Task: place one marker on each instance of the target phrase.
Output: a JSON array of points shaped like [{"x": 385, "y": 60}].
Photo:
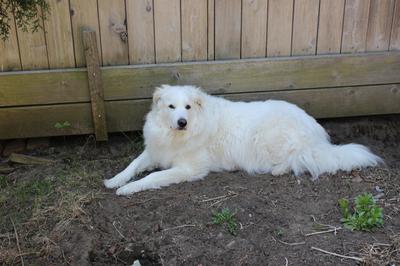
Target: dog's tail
[{"x": 329, "y": 158}]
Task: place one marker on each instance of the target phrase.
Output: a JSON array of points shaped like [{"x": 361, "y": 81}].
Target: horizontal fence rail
[{"x": 33, "y": 103}]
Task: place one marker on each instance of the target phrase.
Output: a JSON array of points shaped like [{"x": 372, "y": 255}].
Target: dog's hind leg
[
  {"x": 140, "y": 164},
  {"x": 161, "y": 179}
]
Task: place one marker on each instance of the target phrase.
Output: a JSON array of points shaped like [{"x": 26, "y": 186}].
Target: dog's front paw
[
  {"x": 112, "y": 183},
  {"x": 129, "y": 189},
  {"x": 117, "y": 181}
]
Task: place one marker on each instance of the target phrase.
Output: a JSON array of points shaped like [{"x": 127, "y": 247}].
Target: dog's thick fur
[{"x": 258, "y": 137}]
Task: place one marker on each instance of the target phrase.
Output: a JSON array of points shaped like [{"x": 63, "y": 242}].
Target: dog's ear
[
  {"x": 157, "y": 95},
  {"x": 158, "y": 92}
]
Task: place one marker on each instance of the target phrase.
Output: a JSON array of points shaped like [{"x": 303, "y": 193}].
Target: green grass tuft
[
  {"x": 226, "y": 217},
  {"x": 366, "y": 216},
  {"x": 3, "y": 182}
]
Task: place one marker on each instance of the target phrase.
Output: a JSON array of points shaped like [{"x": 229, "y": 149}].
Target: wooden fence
[
  {"x": 332, "y": 57},
  {"x": 160, "y": 31}
]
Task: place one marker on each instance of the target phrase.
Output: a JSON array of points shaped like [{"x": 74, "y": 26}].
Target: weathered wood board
[
  {"x": 280, "y": 16},
  {"x": 167, "y": 23},
  {"x": 355, "y": 26},
  {"x": 59, "y": 41},
  {"x": 128, "y": 115},
  {"x": 330, "y": 26},
  {"x": 140, "y": 22},
  {"x": 83, "y": 16},
  {"x": 305, "y": 27},
  {"x": 9, "y": 51},
  {"x": 254, "y": 28},
  {"x": 227, "y": 29},
  {"x": 95, "y": 84},
  {"x": 194, "y": 30},
  {"x": 132, "y": 82}
]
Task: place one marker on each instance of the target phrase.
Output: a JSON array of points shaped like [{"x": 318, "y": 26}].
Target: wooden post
[{"x": 95, "y": 84}]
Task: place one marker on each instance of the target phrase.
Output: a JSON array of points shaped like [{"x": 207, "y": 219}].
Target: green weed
[
  {"x": 280, "y": 232},
  {"x": 20, "y": 199},
  {"x": 366, "y": 214},
  {"x": 32, "y": 189},
  {"x": 226, "y": 217},
  {"x": 62, "y": 125},
  {"x": 3, "y": 181}
]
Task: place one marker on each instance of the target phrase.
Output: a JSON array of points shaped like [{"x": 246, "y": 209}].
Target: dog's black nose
[{"x": 182, "y": 122}]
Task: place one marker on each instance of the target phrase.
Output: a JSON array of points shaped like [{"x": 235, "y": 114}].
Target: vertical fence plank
[
  {"x": 305, "y": 23},
  {"x": 114, "y": 41},
  {"x": 83, "y": 16},
  {"x": 395, "y": 36},
  {"x": 211, "y": 29},
  {"x": 95, "y": 84},
  {"x": 140, "y": 19},
  {"x": 9, "y": 54},
  {"x": 280, "y": 20},
  {"x": 194, "y": 30},
  {"x": 167, "y": 19},
  {"x": 355, "y": 26},
  {"x": 227, "y": 29},
  {"x": 330, "y": 26},
  {"x": 60, "y": 46},
  {"x": 33, "y": 49},
  {"x": 254, "y": 28},
  {"x": 379, "y": 25}
]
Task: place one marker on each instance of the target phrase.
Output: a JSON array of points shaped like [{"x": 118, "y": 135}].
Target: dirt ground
[{"x": 60, "y": 214}]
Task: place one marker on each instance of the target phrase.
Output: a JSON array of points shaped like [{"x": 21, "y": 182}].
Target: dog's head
[{"x": 178, "y": 106}]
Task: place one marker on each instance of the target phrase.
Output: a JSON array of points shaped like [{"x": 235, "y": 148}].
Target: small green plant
[
  {"x": 29, "y": 190},
  {"x": 366, "y": 215},
  {"x": 280, "y": 232},
  {"x": 62, "y": 125},
  {"x": 226, "y": 217},
  {"x": 3, "y": 181}
]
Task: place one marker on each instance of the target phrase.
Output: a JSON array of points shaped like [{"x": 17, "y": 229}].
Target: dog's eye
[
  {"x": 171, "y": 106},
  {"x": 187, "y": 107}
]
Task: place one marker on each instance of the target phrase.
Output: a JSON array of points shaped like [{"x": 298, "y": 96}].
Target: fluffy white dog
[{"x": 189, "y": 133}]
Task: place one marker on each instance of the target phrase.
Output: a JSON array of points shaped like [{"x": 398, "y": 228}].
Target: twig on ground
[
  {"x": 289, "y": 244},
  {"x": 338, "y": 255},
  {"x": 27, "y": 253},
  {"x": 219, "y": 199},
  {"x": 381, "y": 244},
  {"x": 324, "y": 225},
  {"x": 230, "y": 194},
  {"x": 394, "y": 199},
  {"x": 286, "y": 262},
  {"x": 329, "y": 228},
  {"x": 324, "y": 232},
  {"x": 18, "y": 246},
  {"x": 118, "y": 231},
  {"x": 5, "y": 235},
  {"x": 241, "y": 226},
  {"x": 292, "y": 244},
  {"x": 179, "y": 226}
]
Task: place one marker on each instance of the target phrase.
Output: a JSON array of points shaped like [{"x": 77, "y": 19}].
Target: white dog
[{"x": 189, "y": 133}]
